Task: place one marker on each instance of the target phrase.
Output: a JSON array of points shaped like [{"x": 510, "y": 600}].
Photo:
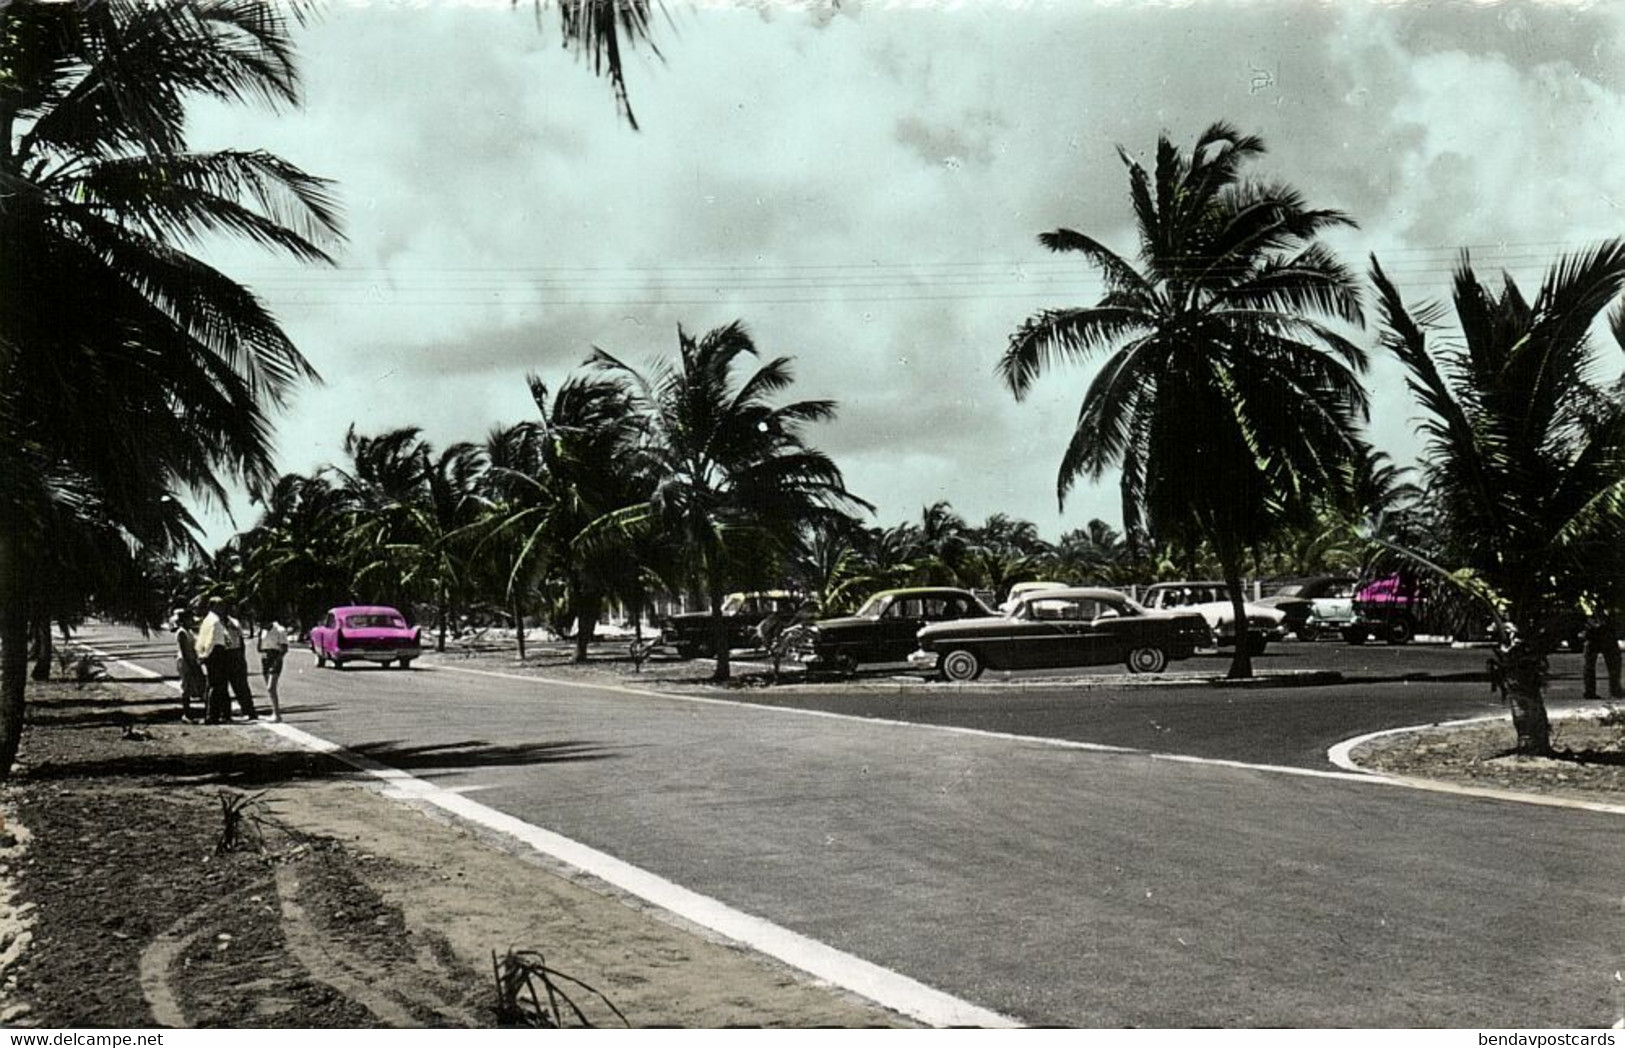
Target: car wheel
[
  {"x": 1147, "y": 660},
  {"x": 1308, "y": 631},
  {"x": 1256, "y": 643},
  {"x": 337, "y": 664},
  {"x": 317, "y": 652},
  {"x": 1354, "y": 635},
  {"x": 960, "y": 665},
  {"x": 1400, "y": 631},
  {"x": 687, "y": 651},
  {"x": 846, "y": 665}
]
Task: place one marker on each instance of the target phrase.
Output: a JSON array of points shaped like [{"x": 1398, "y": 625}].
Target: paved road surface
[{"x": 1056, "y": 884}]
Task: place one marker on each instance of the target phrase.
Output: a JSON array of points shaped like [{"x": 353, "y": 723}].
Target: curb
[{"x": 1342, "y": 755}]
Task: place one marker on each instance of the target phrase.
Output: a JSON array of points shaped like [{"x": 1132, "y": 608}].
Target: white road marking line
[{"x": 882, "y": 985}]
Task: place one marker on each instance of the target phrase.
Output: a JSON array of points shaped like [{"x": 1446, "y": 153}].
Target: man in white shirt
[{"x": 220, "y": 648}]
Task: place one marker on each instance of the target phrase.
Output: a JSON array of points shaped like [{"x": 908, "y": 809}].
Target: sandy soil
[
  {"x": 1588, "y": 765},
  {"x": 334, "y": 906}
]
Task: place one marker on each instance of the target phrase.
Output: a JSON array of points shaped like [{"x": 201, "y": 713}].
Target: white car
[
  {"x": 1021, "y": 589},
  {"x": 1212, "y": 601}
]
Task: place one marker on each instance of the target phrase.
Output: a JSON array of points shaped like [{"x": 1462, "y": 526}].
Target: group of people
[{"x": 213, "y": 664}]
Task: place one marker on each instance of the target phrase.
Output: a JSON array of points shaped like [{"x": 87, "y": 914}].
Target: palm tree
[
  {"x": 734, "y": 475},
  {"x": 600, "y": 30},
  {"x": 1224, "y": 399},
  {"x": 298, "y": 562},
  {"x": 573, "y": 495},
  {"x": 408, "y": 538},
  {"x": 124, "y": 358},
  {"x": 1094, "y": 553},
  {"x": 1526, "y": 461}
]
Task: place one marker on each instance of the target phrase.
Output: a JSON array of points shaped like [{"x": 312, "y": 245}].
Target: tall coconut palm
[
  {"x": 298, "y": 562},
  {"x": 573, "y": 494},
  {"x": 733, "y": 474},
  {"x": 1226, "y": 396},
  {"x": 1526, "y": 462},
  {"x": 123, "y": 357},
  {"x": 413, "y": 507}
]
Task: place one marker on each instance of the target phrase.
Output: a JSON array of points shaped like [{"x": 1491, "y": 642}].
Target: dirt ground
[
  {"x": 125, "y": 901},
  {"x": 1588, "y": 765}
]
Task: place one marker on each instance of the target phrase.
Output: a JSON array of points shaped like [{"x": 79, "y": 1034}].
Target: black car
[
  {"x": 1051, "y": 629},
  {"x": 692, "y": 634},
  {"x": 882, "y": 630}
]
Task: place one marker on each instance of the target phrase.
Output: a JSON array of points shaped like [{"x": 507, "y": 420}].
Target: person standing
[
  {"x": 273, "y": 645},
  {"x": 220, "y": 647},
  {"x": 187, "y": 666},
  {"x": 1601, "y": 638}
]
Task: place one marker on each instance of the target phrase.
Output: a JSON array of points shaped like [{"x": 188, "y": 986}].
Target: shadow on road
[
  {"x": 138, "y": 719},
  {"x": 250, "y": 768}
]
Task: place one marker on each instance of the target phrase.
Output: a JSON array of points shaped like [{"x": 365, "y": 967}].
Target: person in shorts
[{"x": 273, "y": 645}]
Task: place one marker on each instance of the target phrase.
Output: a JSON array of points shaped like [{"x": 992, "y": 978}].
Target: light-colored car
[
  {"x": 1315, "y": 607},
  {"x": 1021, "y": 589},
  {"x": 1212, "y": 601},
  {"x": 365, "y": 633}
]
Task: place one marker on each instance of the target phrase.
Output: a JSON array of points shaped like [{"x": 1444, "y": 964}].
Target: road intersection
[{"x": 975, "y": 844}]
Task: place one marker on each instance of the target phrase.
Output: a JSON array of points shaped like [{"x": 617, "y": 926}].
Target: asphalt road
[
  {"x": 1381, "y": 687},
  {"x": 1055, "y": 884}
]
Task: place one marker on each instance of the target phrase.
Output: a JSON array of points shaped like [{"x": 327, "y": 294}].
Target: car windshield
[
  {"x": 1289, "y": 591},
  {"x": 732, "y": 605},
  {"x": 374, "y": 621},
  {"x": 874, "y": 606}
]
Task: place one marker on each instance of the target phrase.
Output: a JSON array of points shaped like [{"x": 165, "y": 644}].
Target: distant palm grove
[{"x": 1226, "y": 400}]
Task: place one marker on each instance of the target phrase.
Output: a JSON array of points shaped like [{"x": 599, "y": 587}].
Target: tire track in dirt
[{"x": 400, "y": 997}]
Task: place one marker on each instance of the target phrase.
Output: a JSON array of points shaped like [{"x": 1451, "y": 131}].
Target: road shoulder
[{"x": 109, "y": 777}]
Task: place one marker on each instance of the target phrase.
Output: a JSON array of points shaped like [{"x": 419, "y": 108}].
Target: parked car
[
  {"x": 1386, "y": 608},
  {"x": 1211, "y": 600},
  {"x": 1055, "y": 628},
  {"x": 365, "y": 633},
  {"x": 1021, "y": 589},
  {"x": 1314, "y": 607},
  {"x": 690, "y": 633},
  {"x": 883, "y": 630}
]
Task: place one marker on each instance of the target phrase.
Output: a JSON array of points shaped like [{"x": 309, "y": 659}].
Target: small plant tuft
[
  {"x": 529, "y": 994},
  {"x": 240, "y": 822}
]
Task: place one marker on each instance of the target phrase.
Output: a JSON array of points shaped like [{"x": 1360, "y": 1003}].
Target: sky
[{"x": 863, "y": 185}]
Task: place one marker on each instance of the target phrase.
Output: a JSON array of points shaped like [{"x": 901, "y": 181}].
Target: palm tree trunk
[
  {"x": 1518, "y": 671},
  {"x": 13, "y": 652},
  {"x": 519, "y": 625},
  {"x": 443, "y": 612},
  {"x": 719, "y": 625},
  {"x": 44, "y": 647},
  {"x": 588, "y": 606},
  {"x": 1241, "y": 665}
]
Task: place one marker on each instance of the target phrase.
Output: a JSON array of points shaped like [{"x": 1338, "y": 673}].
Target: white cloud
[{"x": 864, "y": 190}]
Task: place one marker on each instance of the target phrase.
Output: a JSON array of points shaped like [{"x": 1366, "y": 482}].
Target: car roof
[
  {"x": 922, "y": 591},
  {"x": 1171, "y": 585},
  {"x": 1076, "y": 593},
  {"x": 365, "y": 609}
]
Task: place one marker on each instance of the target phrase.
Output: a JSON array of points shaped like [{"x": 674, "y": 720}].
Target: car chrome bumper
[{"x": 380, "y": 655}]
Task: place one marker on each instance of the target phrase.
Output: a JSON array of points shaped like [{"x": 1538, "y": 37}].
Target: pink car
[{"x": 365, "y": 633}]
